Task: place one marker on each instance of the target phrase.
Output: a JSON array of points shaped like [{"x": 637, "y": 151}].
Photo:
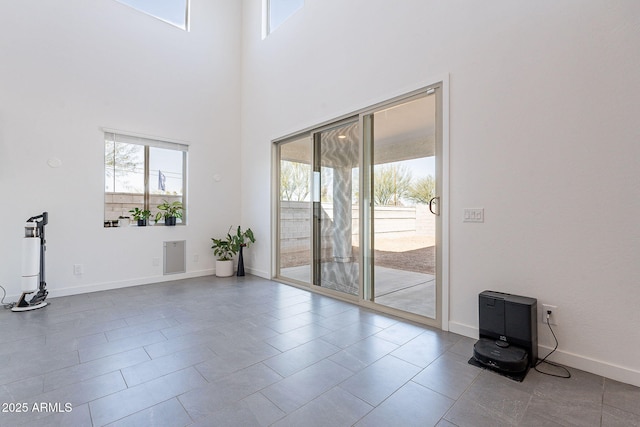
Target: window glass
[
  {"x": 142, "y": 173},
  {"x": 280, "y": 10},
  {"x": 294, "y": 261},
  {"x": 165, "y": 171},
  {"x": 166, "y": 177},
  {"x": 175, "y": 12},
  {"x": 124, "y": 168}
]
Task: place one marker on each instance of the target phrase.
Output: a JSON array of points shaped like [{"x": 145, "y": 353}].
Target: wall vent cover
[{"x": 174, "y": 257}]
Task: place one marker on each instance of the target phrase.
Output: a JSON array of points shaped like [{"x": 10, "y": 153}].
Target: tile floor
[{"x": 252, "y": 352}]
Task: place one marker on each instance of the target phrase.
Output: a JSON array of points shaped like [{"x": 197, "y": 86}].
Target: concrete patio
[{"x": 404, "y": 290}]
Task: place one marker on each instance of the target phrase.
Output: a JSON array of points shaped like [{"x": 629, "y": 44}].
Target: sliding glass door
[{"x": 358, "y": 212}]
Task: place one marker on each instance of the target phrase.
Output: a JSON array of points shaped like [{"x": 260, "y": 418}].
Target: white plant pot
[{"x": 224, "y": 268}]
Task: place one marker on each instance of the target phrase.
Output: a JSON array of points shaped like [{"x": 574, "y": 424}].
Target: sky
[
  {"x": 280, "y": 10},
  {"x": 172, "y": 11},
  {"x": 170, "y": 163},
  {"x": 421, "y": 168}
]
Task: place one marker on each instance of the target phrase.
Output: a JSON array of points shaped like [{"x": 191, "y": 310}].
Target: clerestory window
[
  {"x": 278, "y": 11},
  {"x": 174, "y": 12}
]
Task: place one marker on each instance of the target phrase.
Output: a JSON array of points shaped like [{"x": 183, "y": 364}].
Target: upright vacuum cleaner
[{"x": 33, "y": 248}]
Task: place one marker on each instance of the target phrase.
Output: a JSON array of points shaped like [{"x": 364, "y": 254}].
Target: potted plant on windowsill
[
  {"x": 170, "y": 212},
  {"x": 141, "y": 216}
]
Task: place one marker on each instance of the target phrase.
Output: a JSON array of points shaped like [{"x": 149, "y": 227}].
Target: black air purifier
[{"x": 508, "y": 334}]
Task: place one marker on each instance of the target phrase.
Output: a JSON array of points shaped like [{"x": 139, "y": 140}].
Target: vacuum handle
[{"x": 44, "y": 217}]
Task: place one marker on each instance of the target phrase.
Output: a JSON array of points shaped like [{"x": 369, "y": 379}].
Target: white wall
[
  {"x": 68, "y": 69},
  {"x": 544, "y": 134}
]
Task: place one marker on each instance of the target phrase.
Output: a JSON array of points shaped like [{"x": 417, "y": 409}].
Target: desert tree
[
  {"x": 391, "y": 183},
  {"x": 422, "y": 190},
  {"x": 294, "y": 181}
]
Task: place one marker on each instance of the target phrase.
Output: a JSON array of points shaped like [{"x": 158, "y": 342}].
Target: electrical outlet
[
  {"x": 155, "y": 262},
  {"x": 553, "y": 318},
  {"x": 77, "y": 269},
  {"x": 196, "y": 258}
]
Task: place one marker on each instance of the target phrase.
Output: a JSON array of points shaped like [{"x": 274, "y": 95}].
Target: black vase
[
  {"x": 142, "y": 223},
  {"x": 170, "y": 220},
  {"x": 240, "y": 264}
]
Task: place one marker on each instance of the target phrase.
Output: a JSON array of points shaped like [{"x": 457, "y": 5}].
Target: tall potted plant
[
  {"x": 242, "y": 239},
  {"x": 170, "y": 212}
]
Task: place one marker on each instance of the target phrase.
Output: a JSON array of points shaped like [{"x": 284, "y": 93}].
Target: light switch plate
[{"x": 474, "y": 215}]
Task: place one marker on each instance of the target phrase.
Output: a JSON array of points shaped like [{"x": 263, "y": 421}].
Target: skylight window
[
  {"x": 279, "y": 11},
  {"x": 174, "y": 12}
]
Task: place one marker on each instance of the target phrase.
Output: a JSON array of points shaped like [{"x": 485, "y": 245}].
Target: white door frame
[{"x": 443, "y": 120}]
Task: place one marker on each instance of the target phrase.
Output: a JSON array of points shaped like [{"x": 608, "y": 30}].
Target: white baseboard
[
  {"x": 598, "y": 367},
  {"x": 252, "y": 271},
  {"x": 96, "y": 287},
  {"x": 260, "y": 273},
  {"x": 462, "y": 329}
]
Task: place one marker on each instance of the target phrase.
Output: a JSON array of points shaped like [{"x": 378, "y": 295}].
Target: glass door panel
[
  {"x": 403, "y": 186},
  {"x": 294, "y": 216},
  {"x": 335, "y": 208}
]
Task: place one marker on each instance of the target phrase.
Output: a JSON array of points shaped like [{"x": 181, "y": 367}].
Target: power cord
[
  {"x": 6, "y": 305},
  {"x": 544, "y": 359}
]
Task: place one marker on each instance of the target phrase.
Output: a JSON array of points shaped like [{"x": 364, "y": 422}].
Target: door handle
[{"x": 434, "y": 201}]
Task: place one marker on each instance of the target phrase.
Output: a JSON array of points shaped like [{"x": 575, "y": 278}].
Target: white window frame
[{"x": 152, "y": 142}]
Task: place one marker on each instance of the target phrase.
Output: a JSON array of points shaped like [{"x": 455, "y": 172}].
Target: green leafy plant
[
  {"x": 225, "y": 248},
  {"x": 169, "y": 210},
  {"x": 242, "y": 238},
  {"x": 139, "y": 214}
]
